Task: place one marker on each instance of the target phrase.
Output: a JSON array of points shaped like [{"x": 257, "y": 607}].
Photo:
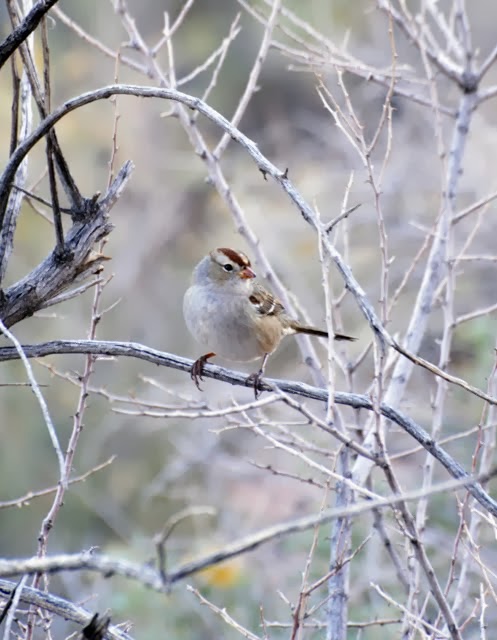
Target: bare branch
[
  {"x": 28, "y": 497},
  {"x": 487, "y": 63},
  {"x": 59, "y": 606},
  {"x": 224, "y": 615},
  {"x": 9, "y": 610},
  {"x": 135, "y": 350},
  {"x": 281, "y": 178},
  {"x": 39, "y": 94},
  {"x": 22, "y": 31},
  {"x": 9, "y": 215},
  {"x": 53, "y": 275},
  {"x": 41, "y": 400},
  {"x": 251, "y": 86},
  {"x": 152, "y": 578}
]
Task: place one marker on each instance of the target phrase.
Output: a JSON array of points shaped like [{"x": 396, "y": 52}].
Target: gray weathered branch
[
  {"x": 27, "y": 26},
  {"x": 61, "y": 607},
  {"x": 354, "y": 400},
  {"x": 57, "y": 271}
]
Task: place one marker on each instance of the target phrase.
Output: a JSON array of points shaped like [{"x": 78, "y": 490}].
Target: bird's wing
[{"x": 264, "y": 303}]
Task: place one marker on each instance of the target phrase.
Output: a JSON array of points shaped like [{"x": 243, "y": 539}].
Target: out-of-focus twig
[
  {"x": 26, "y": 498},
  {"x": 151, "y": 578},
  {"x": 251, "y": 86},
  {"x": 9, "y": 610}
]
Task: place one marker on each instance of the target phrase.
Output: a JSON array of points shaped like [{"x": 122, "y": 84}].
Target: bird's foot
[
  {"x": 254, "y": 380},
  {"x": 197, "y": 369}
]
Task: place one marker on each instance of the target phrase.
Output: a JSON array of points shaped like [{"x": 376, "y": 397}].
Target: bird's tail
[
  {"x": 341, "y": 336},
  {"x": 312, "y": 331}
]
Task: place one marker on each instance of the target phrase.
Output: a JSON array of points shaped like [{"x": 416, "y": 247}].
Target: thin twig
[
  {"x": 41, "y": 400},
  {"x": 27, "y": 497},
  {"x": 12, "y": 606},
  {"x": 251, "y": 86}
]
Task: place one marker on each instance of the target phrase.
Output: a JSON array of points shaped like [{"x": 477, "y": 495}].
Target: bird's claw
[
  {"x": 196, "y": 372},
  {"x": 254, "y": 380},
  {"x": 197, "y": 369}
]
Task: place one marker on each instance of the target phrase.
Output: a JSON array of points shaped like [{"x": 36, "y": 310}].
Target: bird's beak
[{"x": 246, "y": 273}]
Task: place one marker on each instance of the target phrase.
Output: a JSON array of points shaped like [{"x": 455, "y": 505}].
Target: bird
[{"x": 233, "y": 316}]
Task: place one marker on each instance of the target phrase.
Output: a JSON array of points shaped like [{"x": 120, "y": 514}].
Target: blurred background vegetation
[{"x": 168, "y": 218}]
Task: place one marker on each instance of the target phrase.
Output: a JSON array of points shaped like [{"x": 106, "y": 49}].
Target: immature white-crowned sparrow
[{"x": 235, "y": 317}]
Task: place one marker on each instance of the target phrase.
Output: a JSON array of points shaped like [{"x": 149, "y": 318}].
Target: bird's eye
[{"x": 228, "y": 267}]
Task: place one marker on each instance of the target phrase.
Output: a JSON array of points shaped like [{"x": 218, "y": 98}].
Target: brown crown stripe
[{"x": 237, "y": 257}]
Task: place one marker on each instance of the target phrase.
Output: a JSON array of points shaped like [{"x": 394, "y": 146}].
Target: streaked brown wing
[{"x": 264, "y": 302}]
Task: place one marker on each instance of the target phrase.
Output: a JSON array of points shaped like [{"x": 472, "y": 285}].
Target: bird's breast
[{"x": 226, "y": 325}]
